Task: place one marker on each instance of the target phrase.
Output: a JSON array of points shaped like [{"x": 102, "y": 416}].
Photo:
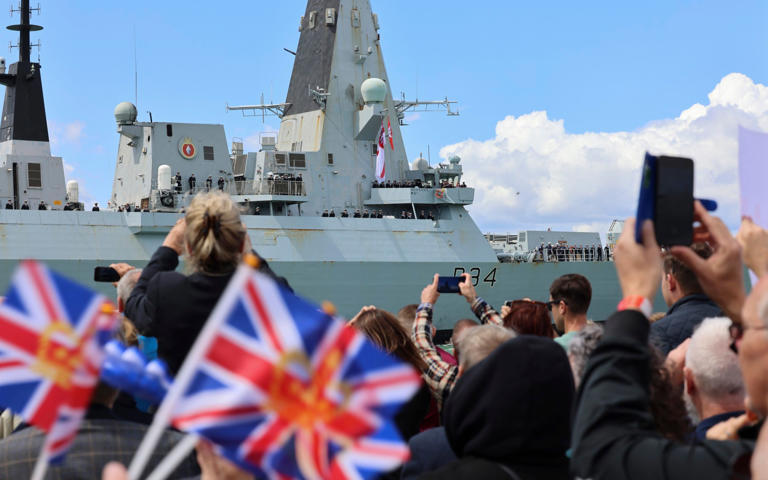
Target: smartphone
[
  {"x": 449, "y": 284},
  {"x": 666, "y": 197},
  {"x": 105, "y": 274}
]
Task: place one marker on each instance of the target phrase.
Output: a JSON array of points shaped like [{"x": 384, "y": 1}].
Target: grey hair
[
  {"x": 713, "y": 365},
  {"x": 580, "y": 348},
  {"x": 126, "y": 284},
  {"x": 476, "y": 343}
]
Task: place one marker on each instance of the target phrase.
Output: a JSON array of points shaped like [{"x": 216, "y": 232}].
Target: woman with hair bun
[{"x": 172, "y": 306}]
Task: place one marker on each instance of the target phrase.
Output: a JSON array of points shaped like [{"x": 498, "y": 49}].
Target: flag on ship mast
[
  {"x": 380, "y": 158},
  {"x": 389, "y": 134}
]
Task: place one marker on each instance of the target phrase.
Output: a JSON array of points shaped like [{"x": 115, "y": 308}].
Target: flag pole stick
[
  {"x": 174, "y": 457},
  {"x": 41, "y": 465},
  {"x": 187, "y": 372}
]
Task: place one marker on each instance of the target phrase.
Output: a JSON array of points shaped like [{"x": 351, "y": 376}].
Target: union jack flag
[
  {"x": 51, "y": 335},
  {"x": 289, "y": 391}
]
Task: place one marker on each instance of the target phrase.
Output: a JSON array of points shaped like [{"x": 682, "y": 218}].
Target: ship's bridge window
[
  {"x": 330, "y": 159},
  {"x": 297, "y": 160},
  {"x": 34, "y": 175},
  {"x": 207, "y": 152},
  {"x": 280, "y": 158}
]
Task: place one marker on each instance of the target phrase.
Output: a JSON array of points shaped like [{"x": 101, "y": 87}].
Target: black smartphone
[
  {"x": 105, "y": 274},
  {"x": 449, "y": 284},
  {"x": 673, "y": 219}
]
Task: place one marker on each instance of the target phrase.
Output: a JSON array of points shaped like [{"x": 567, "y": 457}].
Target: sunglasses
[
  {"x": 552, "y": 303},
  {"x": 737, "y": 331}
]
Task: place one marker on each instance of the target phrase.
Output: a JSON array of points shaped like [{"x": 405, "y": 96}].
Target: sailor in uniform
[
  {"x": 9, "y": 205},
  {"x": 208, "y": 183},
  {"x": 42, "y": 205},
  {"x": 220, "y": 181},
  {"x": 178, "y": 182},
  {"x": 192, "y": 182}
]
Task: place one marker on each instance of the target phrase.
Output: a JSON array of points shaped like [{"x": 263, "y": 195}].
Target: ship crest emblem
[{"x": 187, "y": 148}]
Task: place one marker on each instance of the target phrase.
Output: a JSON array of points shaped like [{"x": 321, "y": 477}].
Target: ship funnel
[
  {"x": 164, "y": 177},
  {"x": 73, "y": 192}
]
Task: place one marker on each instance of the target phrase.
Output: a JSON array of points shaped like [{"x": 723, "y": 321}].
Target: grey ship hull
[{"x": 351, "y": 262}]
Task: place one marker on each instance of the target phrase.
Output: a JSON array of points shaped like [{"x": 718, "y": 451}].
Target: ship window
[
  {"x": 297, "y": 160},
  {"x": 169, "y": 130},
  {"x": 147, "y": 138},
  {"x": 207, "y": 152},
  {"x": 330, "y": 159},
  {"x": 34, "y": 176},
  {"x": 374, "y": 149},
  {"x": 280, "y": 158}
]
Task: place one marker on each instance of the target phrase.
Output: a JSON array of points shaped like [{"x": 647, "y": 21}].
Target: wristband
[
  {"x": 424, "y": 305},
  {"x": 637, "y": 302}
]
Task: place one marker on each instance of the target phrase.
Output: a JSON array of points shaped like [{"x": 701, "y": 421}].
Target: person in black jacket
[
  {"x": 173, "y": 307},
  {"x": 509, "y": 416},
  {"x": 613, "y": 432},
  {"x": 687, "y": 303}
]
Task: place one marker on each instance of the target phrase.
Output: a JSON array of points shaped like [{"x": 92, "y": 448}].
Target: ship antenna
[
  {"x": 24, "y": 28},
  {"x": 135, "y": 71}
]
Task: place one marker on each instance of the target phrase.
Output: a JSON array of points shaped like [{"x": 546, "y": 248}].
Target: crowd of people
[
  {"x": 564, "y": 252},
  {"x": 533, "y": 390},
  {"x": 373, "y": 213},
  {"x": 418, "y": 183},
  {"x": 11, "y": 205}
]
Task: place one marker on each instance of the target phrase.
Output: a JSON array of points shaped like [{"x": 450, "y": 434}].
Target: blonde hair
[{"x": 214, "y": 233}]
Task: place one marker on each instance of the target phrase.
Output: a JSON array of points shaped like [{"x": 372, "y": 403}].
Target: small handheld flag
[
  {"x": 286, "y": 390},
  {"x": 52, "y": 333}
]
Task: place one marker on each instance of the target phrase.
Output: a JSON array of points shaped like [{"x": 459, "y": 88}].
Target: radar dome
[
  {"x": 420, "y": 163},
  {"x": 125, "y": 113},
  {"x": 374, "y": 90}
]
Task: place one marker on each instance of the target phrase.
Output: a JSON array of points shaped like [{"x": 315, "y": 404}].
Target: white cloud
[
  {"x": 585, "y": 180},
  {"x": 71, "y": 133}
]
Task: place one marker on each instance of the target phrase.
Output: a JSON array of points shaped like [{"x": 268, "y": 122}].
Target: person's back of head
[
  {"x": 684, "y": 278},
  {"x": 476, "y": 343},
  {"x": 214, "y": 234},
  {"x": 573, "y": 289},
  {"x": 125, "y": 287},
  {"x": 529, "y": 318},
  {"x": 406, "y": 316},
  {"x": 514, "y": 406},
  {"x": 580, "y": 348},
  {"x": 385, "y": 330},
  {"x": 712, "y": 369}
]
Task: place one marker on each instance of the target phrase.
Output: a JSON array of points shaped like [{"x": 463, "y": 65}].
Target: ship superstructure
[{"x": 311, "y": 201}]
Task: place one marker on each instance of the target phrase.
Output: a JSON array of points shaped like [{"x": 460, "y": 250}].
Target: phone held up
[
  {"x": 449, "y": 284},
  {"x": 666, "y": 198},
  {"x": 105, "y": 274}
]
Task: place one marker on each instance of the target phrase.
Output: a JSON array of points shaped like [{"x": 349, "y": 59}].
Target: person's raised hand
[
  {"x": 505, "y": 309},
  {"x": 430, "y": 293},
  {"x": 754, "y": 246},
  {"x": 214, "y": 467},
  {"x": 466, "y": 289},
  {"x": 175, "y": 238},
  {"x": 721, "y": 276},
  {"x": 114, "y": 471},
  {"x": 675, "y": 362},
  {"x": 728, "y": 429},
  {"x": 121, "y": 268},
  {"x": 638, "y": 266}
]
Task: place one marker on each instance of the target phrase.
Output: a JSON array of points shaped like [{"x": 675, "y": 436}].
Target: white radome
[
  {"x": 374, "y": 90},
  {"x": 125, "y": 113},
  {"x": 420, "y": 163}
]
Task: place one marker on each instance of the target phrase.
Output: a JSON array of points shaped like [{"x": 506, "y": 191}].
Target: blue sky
[{"x": 597, "y": 66}]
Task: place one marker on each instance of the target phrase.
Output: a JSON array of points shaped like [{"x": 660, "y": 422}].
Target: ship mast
[{"x": 24, "y": 108}]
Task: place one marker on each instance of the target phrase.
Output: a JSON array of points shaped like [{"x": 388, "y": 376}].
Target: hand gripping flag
[
  {"x": 52, "y": 331},
  {"x": 289, "y": 391},
  {"x": 380, "y": 157}
]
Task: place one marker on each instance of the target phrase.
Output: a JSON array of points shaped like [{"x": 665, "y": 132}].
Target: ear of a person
[{"x": 690, "y": 383}]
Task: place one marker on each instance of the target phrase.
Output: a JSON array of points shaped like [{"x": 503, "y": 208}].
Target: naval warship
[{"x": 313, "y": 198}]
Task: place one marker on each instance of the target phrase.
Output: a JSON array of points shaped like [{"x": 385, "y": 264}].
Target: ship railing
[
  {"x": 575, "y": 255},
  {"x": 268, "y": 186}
]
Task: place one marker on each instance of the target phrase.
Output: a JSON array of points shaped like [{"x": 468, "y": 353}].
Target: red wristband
[{"x": 636, "y": 302}]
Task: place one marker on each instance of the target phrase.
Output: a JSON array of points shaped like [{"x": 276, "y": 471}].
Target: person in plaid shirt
[{"x": 440, "y": 375}]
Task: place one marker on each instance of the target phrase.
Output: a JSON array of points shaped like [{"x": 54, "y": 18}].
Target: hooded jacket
[{"x": 509, "y": 416}]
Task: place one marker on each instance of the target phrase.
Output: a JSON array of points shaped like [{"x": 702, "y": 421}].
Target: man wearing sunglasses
[
  {"x": 613, "y": 433},
  {"x": 569, "y": 298}
]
